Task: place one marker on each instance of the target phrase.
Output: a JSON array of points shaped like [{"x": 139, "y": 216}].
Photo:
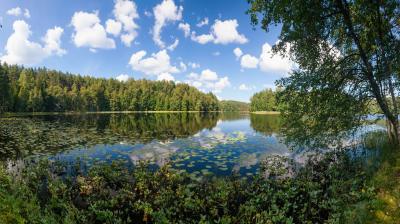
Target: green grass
[{"x": 384, "y": 184}]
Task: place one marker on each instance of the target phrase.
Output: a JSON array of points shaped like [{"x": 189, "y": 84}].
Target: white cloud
[
  {"x": 244, "y": 87},
  {"x": 194, "y": 65},
  {"x": 14, "y": 11},
  {"x": 174, "y": 45},
  {"x": 17, "y": 11},
  {"x": 183, "y": 66},
  {"x": 238, "y": 52},
  {"x": 207, "y": 81},
  {"x": 221, "y": 84},
  {"x": 20, "y": 50},
  {"x": 52, "y": 41},
  {"x": 156, "y": 64},
  {"x": 225, "y": 32},
  {"x": 125, "y": 12},
  {"x": 193, "y": 75},
  {"x": 147, "y": 13},
  {"x": 123, "y": 77},
  {"x": 113, "y": 27},
  {"x": 27, "y": 14},
  {"x": 128, "y": 38},
  {"x": 185, "y": 27},
  {"x": 249, "y": 61},
  {"x": 203, "y": 22},
  {"x": 89, "y": 32},
  {"x": 197, "y": 84},
  {"x": 164, "y": 12},
  {"x": 222, "y": 32},
  {"x": 202, "y": 39},
  {"x": 270, "y": 62},
  {"x": 208, "y": 75},
  {"x": 165, "y": 76},
  {"x": 216, "y": 53}
]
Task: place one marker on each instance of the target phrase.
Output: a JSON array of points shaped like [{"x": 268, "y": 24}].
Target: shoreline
[
  {"x": 266, "y": 112},
  {"x": 110, "y": 112},
  {"x": 131, "y": 112},
  {"x": 98, "y": 112}
]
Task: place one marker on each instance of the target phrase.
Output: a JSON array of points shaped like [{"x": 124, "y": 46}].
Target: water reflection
[
  {"x": 201, "y": 144},
  {"x": 266, "y": 124},
  {"x": 51, "y": 134},
  {"x": 157, "y": 152}
]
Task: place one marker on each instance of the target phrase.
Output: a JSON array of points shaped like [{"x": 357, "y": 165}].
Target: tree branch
[{"x": 344, "y": 8}]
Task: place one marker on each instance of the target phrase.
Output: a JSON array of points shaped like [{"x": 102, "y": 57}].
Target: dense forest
[
  {"x": 232, "y": 105},
  {"x": 33, "y": 90},
  {"x": 264, "y": 101}
]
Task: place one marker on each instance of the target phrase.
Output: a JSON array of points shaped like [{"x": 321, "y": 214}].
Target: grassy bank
[{"x": 384, "y": 206}]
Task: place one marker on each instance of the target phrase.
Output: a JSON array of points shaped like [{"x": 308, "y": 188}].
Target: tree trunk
[{"x": 393, "y": 131}]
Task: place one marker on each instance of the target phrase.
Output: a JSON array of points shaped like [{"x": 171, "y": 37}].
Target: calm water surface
[{"x": 201, "y": 144}]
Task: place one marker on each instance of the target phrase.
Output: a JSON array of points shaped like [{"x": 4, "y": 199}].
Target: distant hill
[{"x": 232, "y": 105}]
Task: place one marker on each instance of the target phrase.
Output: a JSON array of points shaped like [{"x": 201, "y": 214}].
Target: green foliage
[
  {"x": 264, "y": 101},
  {"x": 317, "y": 117},
  {"x": 231, "y": 105},
  {"x": 346, "y": 55},
  {"x": 42, "y": 90},
  {"x": 5, "y": 92},
  {"x": 318, "y": 193}
]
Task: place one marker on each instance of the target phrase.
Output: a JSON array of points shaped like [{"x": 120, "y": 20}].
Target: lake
[{"x": 202, "y": 144}]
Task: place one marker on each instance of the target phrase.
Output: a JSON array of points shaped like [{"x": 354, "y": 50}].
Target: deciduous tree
[{"x": 346, "y": 54}]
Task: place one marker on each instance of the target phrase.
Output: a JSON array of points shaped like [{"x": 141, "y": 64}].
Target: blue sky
[{"x": 182, "y": 40}]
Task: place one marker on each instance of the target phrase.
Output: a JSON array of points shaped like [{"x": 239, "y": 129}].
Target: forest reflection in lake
[{"x": 202, "y": 144}]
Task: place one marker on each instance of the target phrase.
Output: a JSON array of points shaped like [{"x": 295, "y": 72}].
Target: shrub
[{"x": 318, "y": 192}]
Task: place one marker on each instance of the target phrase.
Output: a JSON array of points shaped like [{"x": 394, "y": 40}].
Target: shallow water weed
[
  {"x": 70, "y": 137},
  {"x": 180, "y": 170}
]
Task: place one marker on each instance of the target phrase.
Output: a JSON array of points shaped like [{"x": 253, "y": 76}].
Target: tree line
[
  {"x": 264, "y": 101},
  {"x": 42, "y": 90}
]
